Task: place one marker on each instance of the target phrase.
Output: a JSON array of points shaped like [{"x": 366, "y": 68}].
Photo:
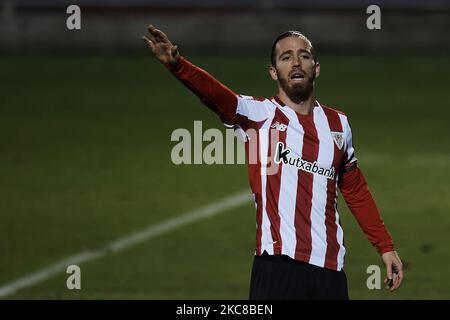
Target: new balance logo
[
  {"x": 279, "y": 126},
  {"x": 282, "y": 154}
]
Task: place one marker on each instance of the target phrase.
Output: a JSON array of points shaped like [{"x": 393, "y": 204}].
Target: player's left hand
[{"x": 394, "y": 268}]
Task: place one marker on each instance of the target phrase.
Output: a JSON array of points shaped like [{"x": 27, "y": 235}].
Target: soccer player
[{"x": 299, "y": 239}]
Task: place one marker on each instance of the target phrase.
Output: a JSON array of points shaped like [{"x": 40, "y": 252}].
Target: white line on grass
[
  {"x": 189, "y": 217},
  {"x": 125, "y": 242}
]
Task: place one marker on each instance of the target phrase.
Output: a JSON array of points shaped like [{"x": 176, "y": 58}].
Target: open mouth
[{"x": 297, "y": 76}]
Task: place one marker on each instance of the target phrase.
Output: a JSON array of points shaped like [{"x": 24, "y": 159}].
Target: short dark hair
[{"x": 290, "y": 33}]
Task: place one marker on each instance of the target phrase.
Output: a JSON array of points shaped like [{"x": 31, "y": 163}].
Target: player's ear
[
  {"x": 317, "y": 67},
  {"x": 273, "y": 73}
]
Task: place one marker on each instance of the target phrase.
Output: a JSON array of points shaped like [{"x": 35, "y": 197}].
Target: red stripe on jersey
[
  {"x": 303, "y": 205},
  {"x": 330, "y": 210},
  {"x": 252, "y": 149},
  {"x": 274, "y": 180}
]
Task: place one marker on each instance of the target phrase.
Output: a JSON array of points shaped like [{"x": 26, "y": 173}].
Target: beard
[{"x": 298, "y": 92}]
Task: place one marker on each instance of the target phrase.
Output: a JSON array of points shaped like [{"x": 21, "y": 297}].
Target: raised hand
[{"x": 161, "y": 46}]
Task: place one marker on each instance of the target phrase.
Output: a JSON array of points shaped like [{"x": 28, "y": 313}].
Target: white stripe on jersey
[
  {"x": 288, "y": 186},
  {"x": 319, "y": 198},
  {"x": 266, "y": 235},
  {"x": 264, "y": 111},
  {"x": 340, "y": 240}
]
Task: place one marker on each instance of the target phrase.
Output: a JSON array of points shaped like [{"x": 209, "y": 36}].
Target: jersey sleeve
[
  {"x": 253, "y": 109},
  {"x": 233, "y": 109},
  {"x": 356, "y": 193}
]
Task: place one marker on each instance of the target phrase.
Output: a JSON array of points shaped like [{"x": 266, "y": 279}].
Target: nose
[{"x": 296, "y": 61}]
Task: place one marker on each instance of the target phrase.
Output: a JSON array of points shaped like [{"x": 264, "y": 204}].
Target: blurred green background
[{"x": 85, "y": 159}]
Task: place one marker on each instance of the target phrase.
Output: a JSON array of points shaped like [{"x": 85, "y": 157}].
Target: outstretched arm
[{"x": 211, "y": 92}]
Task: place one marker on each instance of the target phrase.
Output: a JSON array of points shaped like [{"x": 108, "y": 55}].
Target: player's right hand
[{"x": 161, "y": 46}]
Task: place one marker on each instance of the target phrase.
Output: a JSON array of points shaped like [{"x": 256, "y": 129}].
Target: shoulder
[
  {"x": 255, "y": 102},
  {"x": 255, "y": 109},
  {"x": 251, "y": 98},
  {"x": 336, "y": 114},
  {"x": 333, "y": 110}
]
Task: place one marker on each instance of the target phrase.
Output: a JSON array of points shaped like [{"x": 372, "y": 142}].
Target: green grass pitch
[{"x": 85, "y": 159}]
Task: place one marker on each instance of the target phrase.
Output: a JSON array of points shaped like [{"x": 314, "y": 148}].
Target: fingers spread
[
  {"x": 149, "y": 42},
  {"x": 151, "y": 35},
  {"x": 161, "y": 35},
  {"x": 158, "y": 34}
]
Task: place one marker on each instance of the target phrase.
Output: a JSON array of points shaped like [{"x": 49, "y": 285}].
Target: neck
[{"x": 303, "y": 107}]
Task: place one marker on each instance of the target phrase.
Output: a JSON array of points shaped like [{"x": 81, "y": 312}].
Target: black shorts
[{"x": 281, "y": 277}]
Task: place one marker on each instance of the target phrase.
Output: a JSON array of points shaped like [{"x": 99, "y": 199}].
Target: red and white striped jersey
[
  {"x": 296, "y": 163},
  {"x": 294, "y": 180}
]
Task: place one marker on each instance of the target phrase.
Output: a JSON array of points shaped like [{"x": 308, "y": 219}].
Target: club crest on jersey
[
  {"x": 279, "y": 126},
  {"x": 338, "y": 138}
]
